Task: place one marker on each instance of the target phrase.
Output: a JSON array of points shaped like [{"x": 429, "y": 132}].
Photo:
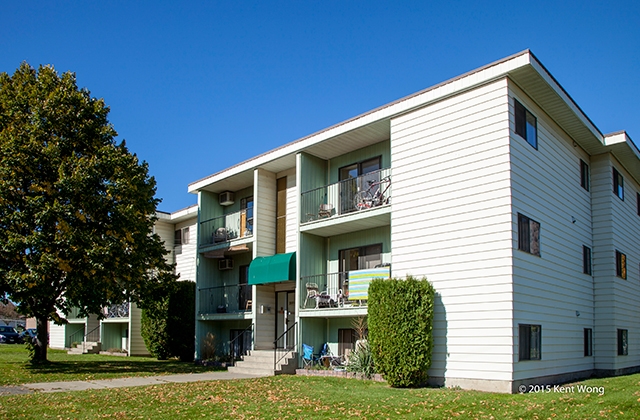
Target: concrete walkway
[{"x": 122, "y": 382}]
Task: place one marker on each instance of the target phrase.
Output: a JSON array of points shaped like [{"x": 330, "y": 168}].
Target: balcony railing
[
  {"x": 224, "y": 299},
  {"x": 327, "y": 291},
  {"x": 341, "y": 198},
  {"x": 227, "y": 227},
  {"x": 117, "y": 311}
]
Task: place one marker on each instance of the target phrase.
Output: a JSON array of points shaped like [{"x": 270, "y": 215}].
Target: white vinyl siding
[
  {"x": 616, "y": 226},
  {"x": 56, "y": 336},
  {"x": 264, "y": 213},
  {"x": 166, "y": 232},
  {"x": 548, "y": 290},
  {"x": 291, "y": 241},
  {"x": 451, "y": 222},
  {"x": 265, "y": 323},
  {"x": 185, "y": 255},
  {"x": 136, "y": 342}
]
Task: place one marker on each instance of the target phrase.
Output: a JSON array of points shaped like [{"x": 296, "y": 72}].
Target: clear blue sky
[{"x": 195, "y": 87}]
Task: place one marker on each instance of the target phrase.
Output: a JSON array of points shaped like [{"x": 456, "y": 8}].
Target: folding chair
[{"x": 308, "y": 359}]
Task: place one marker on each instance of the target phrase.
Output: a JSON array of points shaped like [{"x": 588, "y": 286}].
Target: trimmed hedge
[
  {"x": 168, "y": 325},
  {"x": 400, "y": 329}
]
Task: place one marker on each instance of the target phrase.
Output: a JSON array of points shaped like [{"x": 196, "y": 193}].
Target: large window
[
  {"x": 350, "y": 181},
  {"x": 530, "y": 341},
  {"x": 623, "y": 342},
  {"x": 357, "y": 259},
  {"x": 526, "y": 124},
  {"x": 621, "y": 265},
  {"x": 528, "y": 235},
  {"x": 618, "y": 184},
  {"x": 246, "y": 218},
  {"x": 586, "y": 260},
  {"x": 584, "y": 175}
]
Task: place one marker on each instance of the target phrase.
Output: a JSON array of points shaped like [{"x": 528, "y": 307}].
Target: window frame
[
  {"x": 621, "y": 265},
  {"x": 587, "y": 265},
  {"x": 623, "y": 342},
  {"x": 529, "y": 235},
  {"x": 529, "y": 342},
  {"x": 588, "y": 342},
  {"x": 618, "y": 184},
  {"x": 584, "y": 175},
  {"x": 181, "y": 236},
  {"x": 525, "y": 121}
]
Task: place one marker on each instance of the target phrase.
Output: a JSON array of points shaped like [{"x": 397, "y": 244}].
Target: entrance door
[{"x": 285, "y": 318}]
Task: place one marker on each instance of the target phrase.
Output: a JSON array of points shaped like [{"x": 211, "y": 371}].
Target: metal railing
[
  {"x": 118, "y": 311},
  {"x": 242, "y": 343},
  {"x": 279, "y": 353},
  {"x": 339, "y": 198},
  {"x": 221, "y": 299},
  {"x": 226, "y": 228},
  {"x": 327, "y": 291}
]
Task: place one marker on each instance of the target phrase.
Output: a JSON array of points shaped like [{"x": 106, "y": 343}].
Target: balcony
[
  {"x": 349, "y": 205},
  {"x": 234, "y": 299},
  {"x": 326, "y": 291},
  {"x": 229, "y": 227}
]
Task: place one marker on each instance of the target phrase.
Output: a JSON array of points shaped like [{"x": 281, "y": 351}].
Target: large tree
[{"x": 76, "y": 208}]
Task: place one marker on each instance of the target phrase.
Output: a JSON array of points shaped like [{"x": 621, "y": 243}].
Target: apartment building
[
  {"x": 120, "y": 328},
  {"x": 494, "y": 185}
]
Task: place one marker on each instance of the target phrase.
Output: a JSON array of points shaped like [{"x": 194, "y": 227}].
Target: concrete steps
[
  {"x": 89, "y": 347},
  {"x": 260, "y": 362}
]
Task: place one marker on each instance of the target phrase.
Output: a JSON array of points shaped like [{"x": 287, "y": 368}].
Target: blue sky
[{"x": 197, "y": 86}]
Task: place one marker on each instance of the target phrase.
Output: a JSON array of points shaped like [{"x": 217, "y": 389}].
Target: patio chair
[
  {"x": 312, "y": 292},
  {"x": 325, "y": 210},
  {"x": 308, "y": 358},
  {"x": 327, "y": 358}
]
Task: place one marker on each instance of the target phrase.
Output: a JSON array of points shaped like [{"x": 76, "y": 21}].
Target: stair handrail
[
  {"x": 249, "y": 328},
  {"x": 277, "y": 360},
  {"x": 78, "y": 334},
  {"x": 90, "y": 334}
]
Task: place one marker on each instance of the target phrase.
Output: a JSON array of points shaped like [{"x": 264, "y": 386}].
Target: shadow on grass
[{"x": 151, "y": 367}]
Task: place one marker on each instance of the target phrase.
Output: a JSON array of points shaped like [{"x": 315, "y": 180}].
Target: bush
[
  {"x": 168, "y": 324},
  {"x": 361, "y": 360},
  {"x": 400, "y": 329}
]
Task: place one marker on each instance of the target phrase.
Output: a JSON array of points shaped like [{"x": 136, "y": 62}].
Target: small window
[
  {"x": 618, "y": 184},
  {"x": 530, "y": 341},
  {"x": 528, "y": 235},
  {"x": 586, "y": 260},
  {"x": 181, "y": 236},
  {"x": 623, "y": 342},
  {"x": 621, "y": 265},
  {"x": 584, "y": 175},
  {"x": 588, "y": 342},
  {"x": 526, "y": 125}
]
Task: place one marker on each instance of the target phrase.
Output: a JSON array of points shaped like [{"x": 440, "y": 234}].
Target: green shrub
[
  {"x": 400, "y": 329},
  {"x": 361, "y": 360},
  {"x": 168, "y": 324}
]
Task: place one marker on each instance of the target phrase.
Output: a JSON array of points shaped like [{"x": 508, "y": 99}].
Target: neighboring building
[
  {"x": 504, "y": 194},
  {"x": 120, "y": 329}
]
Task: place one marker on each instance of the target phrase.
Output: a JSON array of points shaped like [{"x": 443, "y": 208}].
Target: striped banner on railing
[{"x": 359, "y": 281}]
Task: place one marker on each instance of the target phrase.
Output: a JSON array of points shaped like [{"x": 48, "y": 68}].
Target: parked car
[
  {"x": 10, "y": 334},
  {"x": 28, "y": 335}
]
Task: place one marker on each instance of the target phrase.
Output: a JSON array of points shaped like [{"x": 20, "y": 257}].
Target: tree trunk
[{"x": 41, "y": 341}]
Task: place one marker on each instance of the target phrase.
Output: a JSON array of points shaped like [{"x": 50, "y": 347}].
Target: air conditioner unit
[
  {"x": 225, "y": 264},
  {"x": 226, "y": 198}
]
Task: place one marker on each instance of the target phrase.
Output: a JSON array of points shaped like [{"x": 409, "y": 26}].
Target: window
[
  {"x": 621, "y": 265},
  {"x": 181, "y": 236},
  {"x": 357, "y": 259},
  {"x": 530, "y": 342},
  {"x": 618, "y": 184},
  {"x": 528, "y": 235},
  {"x": 584, "y": 175},
  {"x": 246, "y": 218},
  {"x": 526, "y": 125},
  {"x": 346, "y": 340},
  {"x": 623, "y": 342},
  {"x": 588, "y": 342},
  {"x": 586, "y": 260},
  {"x": 353, "y": 178}
]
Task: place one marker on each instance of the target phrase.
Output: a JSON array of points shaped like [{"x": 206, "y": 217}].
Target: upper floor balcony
[
  {"x": 226, "y": 228},
  {"x": 353, "y": 204}
]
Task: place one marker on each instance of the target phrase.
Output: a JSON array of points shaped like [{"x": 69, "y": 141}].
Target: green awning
[{"x": 277, "y": 268}]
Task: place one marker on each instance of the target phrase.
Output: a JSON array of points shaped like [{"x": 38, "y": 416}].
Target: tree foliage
[
  {"x": 168, "y": 325},
  {"x": 76, "y": 209},
  {"x": 400, "y": 329}
]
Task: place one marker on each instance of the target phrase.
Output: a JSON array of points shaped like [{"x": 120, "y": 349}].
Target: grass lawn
[
  {"x": 299, "y": 397},
  {"x": 15, "y": 369}
]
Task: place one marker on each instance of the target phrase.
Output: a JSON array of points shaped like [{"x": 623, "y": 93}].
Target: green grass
[
  {"x": 15, "y": 368},
  {"x": 299, "y": 397}
]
